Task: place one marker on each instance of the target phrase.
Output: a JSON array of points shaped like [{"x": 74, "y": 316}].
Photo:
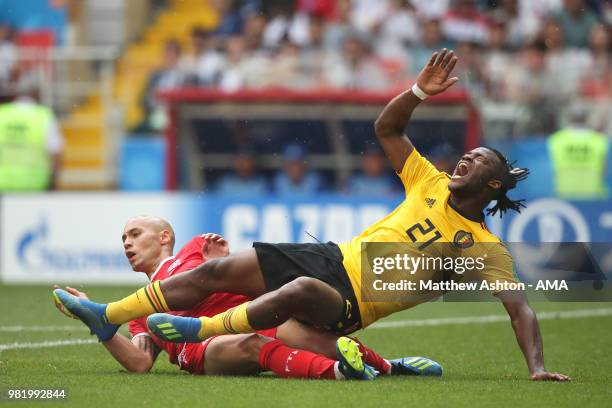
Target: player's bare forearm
[
  {"x": 395, "y": 116},
  {"x": 390, "y": 125},
  {"x": 136, "y": 355},
  {"x": 527, "y": 331}
]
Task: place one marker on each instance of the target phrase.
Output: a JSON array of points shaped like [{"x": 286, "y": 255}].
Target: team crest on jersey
[
  {"x": 463, "y": 239},
  {"x": 430, "y": 202}
]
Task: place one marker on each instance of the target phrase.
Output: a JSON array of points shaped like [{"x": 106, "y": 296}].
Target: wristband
[{"x": 418, "y": 92}]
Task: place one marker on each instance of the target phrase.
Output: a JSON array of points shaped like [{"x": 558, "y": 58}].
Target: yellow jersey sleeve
[
  {"x": 498, "y": 266},
  {"x": 417, "y": 169}
]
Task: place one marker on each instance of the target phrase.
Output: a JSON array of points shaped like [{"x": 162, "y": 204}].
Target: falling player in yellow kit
[{"x": 321, "y": 284}]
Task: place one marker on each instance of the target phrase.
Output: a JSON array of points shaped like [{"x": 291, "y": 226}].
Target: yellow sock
[
  {"x": 232, "y": 321},
  {"x": 143, "y": 302}
]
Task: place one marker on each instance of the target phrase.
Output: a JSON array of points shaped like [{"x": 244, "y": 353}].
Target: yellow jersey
[{"x": 425, "y": 217}]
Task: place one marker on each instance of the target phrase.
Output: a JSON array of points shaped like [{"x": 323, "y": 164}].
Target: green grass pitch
[{"x": 483, "y": 365}]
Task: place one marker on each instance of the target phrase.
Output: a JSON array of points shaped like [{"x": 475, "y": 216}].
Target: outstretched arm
[
  {"x": 527, "y": 331},
  {"x": 390, "y": 125},
  {"x": 136, "y": 355}
]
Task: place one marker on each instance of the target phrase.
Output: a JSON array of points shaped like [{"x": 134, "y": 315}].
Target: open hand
[
  {"x": 215, "y": 246},
  {"x": 434, "y": 78},
  {"x": 548, "y": 376},
  {"x": 73, "y": 292}
]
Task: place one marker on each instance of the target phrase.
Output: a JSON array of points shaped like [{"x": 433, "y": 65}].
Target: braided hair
[{"x": 509, "y": 177}]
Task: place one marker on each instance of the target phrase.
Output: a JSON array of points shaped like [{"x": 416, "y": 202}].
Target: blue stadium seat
[{"x": 142, "y": 164}]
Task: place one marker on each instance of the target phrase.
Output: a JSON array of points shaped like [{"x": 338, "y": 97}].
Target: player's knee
[
  {"x": 299, "y": 290},
  {"x": 250, "y": 346}
]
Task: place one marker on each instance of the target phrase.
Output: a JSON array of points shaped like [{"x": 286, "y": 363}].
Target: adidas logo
[
  {"x": 430, "y": 202},
  {"x": 169, "y": 331}
]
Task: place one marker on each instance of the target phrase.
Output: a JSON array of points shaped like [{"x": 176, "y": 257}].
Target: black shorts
[{"x": 282, "y": 263}]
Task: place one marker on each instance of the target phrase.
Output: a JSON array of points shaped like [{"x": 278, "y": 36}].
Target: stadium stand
[{"x": 522, "y": 65}]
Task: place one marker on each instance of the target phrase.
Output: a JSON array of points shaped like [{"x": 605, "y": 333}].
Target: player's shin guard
[
  {"x": 232, "y": 321},
  {"x": 287, "y": 362},
  {"x": 143, "y": 302}
]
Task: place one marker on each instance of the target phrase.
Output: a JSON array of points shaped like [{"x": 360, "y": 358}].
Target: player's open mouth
[
  {"x": 130, "y": 255},
  {"x": 461, "y": 170}
]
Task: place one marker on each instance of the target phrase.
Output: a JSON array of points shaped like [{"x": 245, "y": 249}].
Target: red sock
[
  {"x": 287, "y": 362},
  {"x": 374, "y": 360}
]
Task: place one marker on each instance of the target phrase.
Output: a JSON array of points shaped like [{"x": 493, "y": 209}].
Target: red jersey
[{"x": 188, "y": 356}]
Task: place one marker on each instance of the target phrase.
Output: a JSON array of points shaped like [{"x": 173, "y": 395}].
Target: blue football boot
[
  {"x": 175, "y": 329},
  {"x": 415, "y": 366},
  {"x": 91, "y": 313}
]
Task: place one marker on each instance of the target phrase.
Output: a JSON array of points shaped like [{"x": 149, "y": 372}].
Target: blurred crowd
[
  {"x": 543, "y": 66},
  {"x": 8, "y": 57},
  {"x": 537, "y": 53},
  {"x": 19, "y": 71}
]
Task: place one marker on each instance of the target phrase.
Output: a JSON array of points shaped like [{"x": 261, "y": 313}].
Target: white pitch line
[
  {"x": 45, "y": 344},
  {"x": 568, "y": 314},
  {"x": 40, "y": 328}
]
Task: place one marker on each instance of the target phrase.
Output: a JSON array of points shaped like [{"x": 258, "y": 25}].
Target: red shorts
[{"x": 204, "y": 345}]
